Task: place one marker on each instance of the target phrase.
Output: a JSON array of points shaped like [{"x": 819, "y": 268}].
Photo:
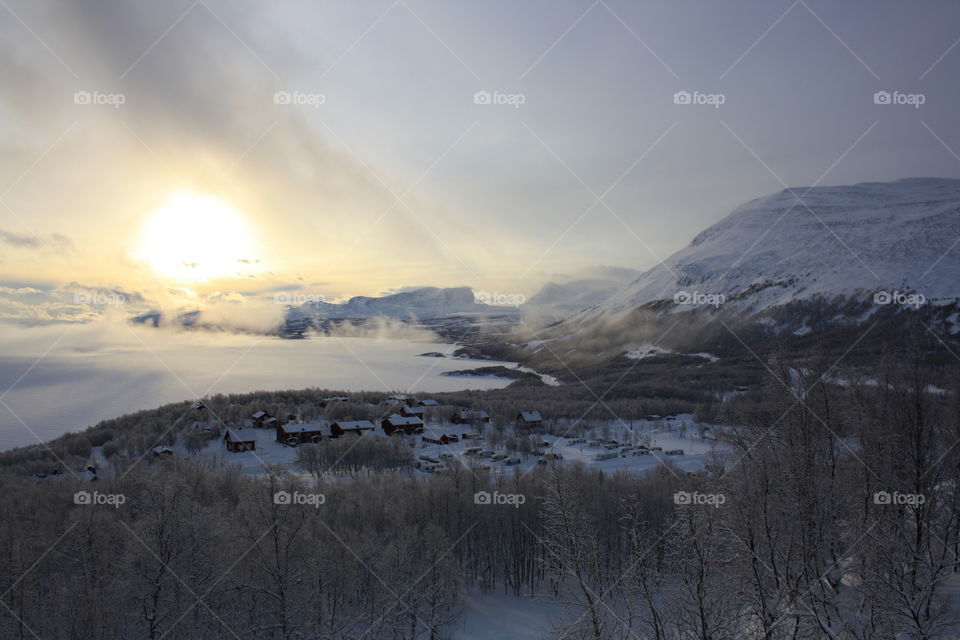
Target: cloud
[{"x": 55, "y": 242}]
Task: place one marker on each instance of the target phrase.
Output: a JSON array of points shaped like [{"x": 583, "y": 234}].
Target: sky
[{"x": 191, "y": 153}]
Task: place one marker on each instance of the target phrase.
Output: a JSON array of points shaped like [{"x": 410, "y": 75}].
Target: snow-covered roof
[
  {"x": 530, "y": 416},
  {"x": 398, "y": 397},
  {"x": 239, "y": 435},
  {"x": 258, "y": 415},
  {"x": 417, "y": 410},
  {"x": 321, "y": 429},
  {"x": 347, "y": 425},
  {"x": 161, "y": 450},
  {"x": 398, "y": 420},
  {"x": 428, "y": 402}
]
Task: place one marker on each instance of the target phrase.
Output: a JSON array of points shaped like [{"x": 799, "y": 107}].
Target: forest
[{"x": 832, "y": 512}]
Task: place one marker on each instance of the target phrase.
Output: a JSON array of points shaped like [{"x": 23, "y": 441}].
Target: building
[
  {"x": 237, "y": 440},
  {"x": 529, "y": 420},
  {"x": 263, "y": 419},
  {"x": 303, "y": 433},
  {"x": 471, "y": 416},
  {"x": 399, "y": 397},
  {"x": 427, "y": 402},
  {"x": 405, "y": 424},
  {"x": 412, "y": 412},
  {"x": 162, "y": 452},
  {"x": 354, "y": 427}
]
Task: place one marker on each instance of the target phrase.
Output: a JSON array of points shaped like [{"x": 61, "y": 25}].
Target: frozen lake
[{"x": 58, "y": 379}]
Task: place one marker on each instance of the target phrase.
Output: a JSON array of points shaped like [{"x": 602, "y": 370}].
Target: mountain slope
[{"x": 839, "y": 242}]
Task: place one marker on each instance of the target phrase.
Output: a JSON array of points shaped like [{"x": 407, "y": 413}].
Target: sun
[{"x": 195, "y": 237}]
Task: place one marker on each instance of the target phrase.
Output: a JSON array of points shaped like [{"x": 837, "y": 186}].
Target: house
[
  {"x": 355, "y": 427},
  {"x": 440, "y": 439},
  {"x": 237, "y": 440},
  {"x": 407, "y": 424},
  {"x": 400, "y": 397},
  {"x": 529, "y": 420},
  {"x": 303, "y": 433},
  {"x": 161, "y": 452},
  {"x": 412, "y": 412},
  {"x": 471, "y": 416},
  {"x": 260, "y": 418},
  {"x": 427, "y": 402}
]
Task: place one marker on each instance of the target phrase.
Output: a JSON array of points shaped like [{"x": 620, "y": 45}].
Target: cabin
[
  {"x": 303, "y": 433},
  {"x": 263, "y": 419},
  {"x": 406, "y": 424},
  {"x": 352, "y": 427},
  {"x": 529, "y": 420},
  {"x": 412, "y": 412},
  {"x": 236, "y": 440},
  {"x": 471, "y": 416},
  {"x": 161, "y": 452},
  {"x": 399, "y": 397},
  {"x": 427, "y": 402},
  {"x": 441, "y": 439}
]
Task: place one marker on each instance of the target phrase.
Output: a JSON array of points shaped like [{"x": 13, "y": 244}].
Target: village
[{"x": 440, "y": 437}]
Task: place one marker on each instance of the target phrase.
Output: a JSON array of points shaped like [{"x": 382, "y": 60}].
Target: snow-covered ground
[
  {"x": 493, "y": 616},
  {"x": 664, "y": 434}
]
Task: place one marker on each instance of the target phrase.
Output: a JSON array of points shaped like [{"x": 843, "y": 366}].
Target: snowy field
[
  {"x": 66, "y": 378},
  {"x": 665, "y": 435}
]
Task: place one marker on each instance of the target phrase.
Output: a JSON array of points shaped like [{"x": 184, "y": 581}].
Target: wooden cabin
[
  {"x": 529, "y": 420},
  {"x": 404, "y": 424},
  {"x": 236, "y": 440},
  {"x": 353, "y": 427}
]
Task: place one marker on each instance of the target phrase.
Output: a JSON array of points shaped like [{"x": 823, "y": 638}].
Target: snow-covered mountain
[
  {"x": 833, "y": 243},
  {"x": 424, "y": 303},
  {"x": 562, "y": 300}
]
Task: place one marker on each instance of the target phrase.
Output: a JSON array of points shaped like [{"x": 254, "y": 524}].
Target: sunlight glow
[{"x": 196, "y": 238}]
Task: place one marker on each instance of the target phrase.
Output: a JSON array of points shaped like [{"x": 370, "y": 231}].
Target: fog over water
[{"x": 57, "y": 379}]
